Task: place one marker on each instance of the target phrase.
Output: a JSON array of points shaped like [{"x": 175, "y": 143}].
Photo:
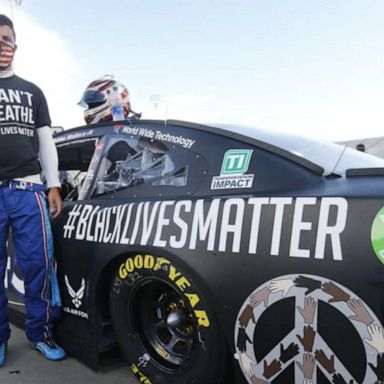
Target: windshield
[
  {"x": 126, "y": 163},
  {"x": 334, "y": 158}
]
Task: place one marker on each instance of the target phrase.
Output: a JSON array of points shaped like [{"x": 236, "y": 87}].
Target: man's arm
[{"x": 49, "y": 163}]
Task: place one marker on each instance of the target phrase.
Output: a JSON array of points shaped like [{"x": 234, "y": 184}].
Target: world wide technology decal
[
  {"x": 168, "y": 137},
  {"x": 305, "y": 346}
]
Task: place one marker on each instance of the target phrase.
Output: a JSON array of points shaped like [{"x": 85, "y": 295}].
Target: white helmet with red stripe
[{"x": 96, "y": 99}]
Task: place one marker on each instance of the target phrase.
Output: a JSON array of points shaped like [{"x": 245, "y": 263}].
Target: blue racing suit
[{"x": 26, "y": 213}]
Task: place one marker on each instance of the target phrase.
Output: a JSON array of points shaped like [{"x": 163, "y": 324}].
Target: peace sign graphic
[{"x": 304, "y": 345}]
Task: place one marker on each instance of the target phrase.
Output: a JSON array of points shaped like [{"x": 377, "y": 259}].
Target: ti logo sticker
[
  {"x": 236, "y": 162},
  {"x": 232, "y": 174},
  {"x": 377, "y": 235}
]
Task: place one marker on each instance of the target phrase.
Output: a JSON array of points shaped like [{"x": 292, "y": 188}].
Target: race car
[{"x": 219, "y": 254}]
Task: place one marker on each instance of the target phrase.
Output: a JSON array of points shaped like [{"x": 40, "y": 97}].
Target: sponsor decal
[
  {"x": 236, "y": 161},
  {"x": 76, "y": 312},
  {"x": 139, "y": 262},
  {"x": 159, "y": 135},
  {"x": 232, "y": 175},
  {"x": 77, "y": 297},
  {"x": 73, "y": 136},
  {"x": 305, "y": 346},
  {"x": 219, "y": 225},
  {"x": 377, "y": 235}
]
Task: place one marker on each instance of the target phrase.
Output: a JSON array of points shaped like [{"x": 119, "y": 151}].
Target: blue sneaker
[
  {"x": 3, "y": 349},
  {"x": 50, "y": 349}
]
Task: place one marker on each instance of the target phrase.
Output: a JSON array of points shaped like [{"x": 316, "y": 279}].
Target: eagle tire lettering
[{"x": 147, "y": 294}]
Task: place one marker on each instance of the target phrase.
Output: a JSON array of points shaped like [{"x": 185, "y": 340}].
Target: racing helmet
[{"x": 96, "y": 99}]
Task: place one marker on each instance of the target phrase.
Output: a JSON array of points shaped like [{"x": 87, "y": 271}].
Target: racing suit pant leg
[
  {"x": 4, "y": 230},
  {"x": 30, "y": 236}
]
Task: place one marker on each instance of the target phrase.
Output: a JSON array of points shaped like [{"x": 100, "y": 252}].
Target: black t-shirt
[{"x": 23, "y": 109}]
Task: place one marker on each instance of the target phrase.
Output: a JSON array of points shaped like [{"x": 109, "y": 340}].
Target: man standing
[{"x": 25, "y": 137}]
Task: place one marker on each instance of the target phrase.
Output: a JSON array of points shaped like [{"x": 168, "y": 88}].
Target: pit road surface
[{"x": 23, "y": 365}]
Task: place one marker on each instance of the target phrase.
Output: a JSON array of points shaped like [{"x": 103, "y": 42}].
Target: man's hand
[
  {"x": 246, "y": 316},
  {"x": 307, "y": 366},
  {"x": 361, "y": 313},
  {"x": 337, "y": 293},
  {"x": 308, "y": 338},
  {"x": 260, "y": 297},
  {"x": 308, "y": 283},
  {"x": 327, "y": 363},
  {"x": 55, "y": 202},
  {"x": 308, "y": 312},
  {"x": 377, "y": 339}
]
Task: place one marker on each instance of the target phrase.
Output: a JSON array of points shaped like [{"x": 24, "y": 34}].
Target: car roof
[{"x": 321, "y": 156}]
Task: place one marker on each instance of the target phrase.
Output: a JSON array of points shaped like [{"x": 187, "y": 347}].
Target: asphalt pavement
[{"x": 24, "y": 365}]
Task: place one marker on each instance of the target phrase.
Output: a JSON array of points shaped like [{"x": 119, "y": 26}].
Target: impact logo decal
[
  {"x": 377, "y": 235},
  {"x": 232, "y": 175},
  {"x": 305, "y": 227},
  {"x": 77, "y": 297},
  {"x": 305, "y": 345}
]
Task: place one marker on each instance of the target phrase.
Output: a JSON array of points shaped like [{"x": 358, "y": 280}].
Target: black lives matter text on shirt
[{"x": 23, "y": 109}]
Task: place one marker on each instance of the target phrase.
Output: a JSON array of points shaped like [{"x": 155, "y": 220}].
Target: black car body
[{"x": 220, "y": 254}]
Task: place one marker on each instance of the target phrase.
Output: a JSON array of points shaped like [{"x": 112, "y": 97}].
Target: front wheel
[{"x": 163, "y": 324}]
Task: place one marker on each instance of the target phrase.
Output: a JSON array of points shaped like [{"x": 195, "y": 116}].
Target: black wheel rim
[{"x": 164, "y": 320}]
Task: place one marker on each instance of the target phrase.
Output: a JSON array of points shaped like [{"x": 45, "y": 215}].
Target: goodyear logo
[{"x": 149, "y": 262}]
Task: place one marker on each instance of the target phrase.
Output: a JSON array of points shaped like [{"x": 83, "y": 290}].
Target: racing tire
[{"x": 163, "y": 324}]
